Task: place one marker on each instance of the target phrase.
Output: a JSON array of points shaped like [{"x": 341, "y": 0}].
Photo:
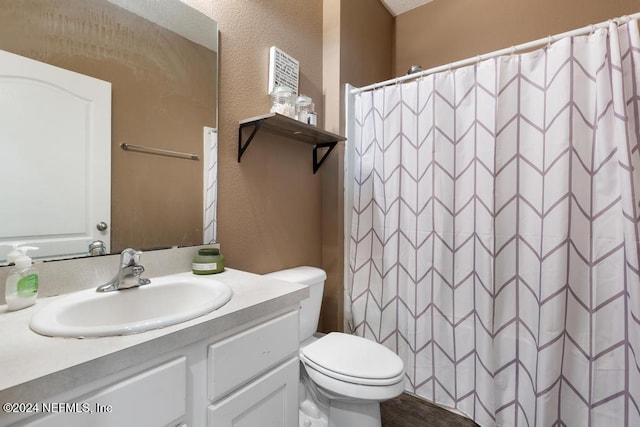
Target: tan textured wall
[
  {"x": 444, "y": 31},
  {"x": 331, "y": 314},
  {"x": 273, "y": 212},
  {"x": 367, "y": 35},
  {"x": 269, "y": 205},
  {"x": 358, "y": 36}
]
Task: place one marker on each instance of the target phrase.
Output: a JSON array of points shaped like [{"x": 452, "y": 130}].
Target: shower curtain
[{"x": 494, "y": 233}]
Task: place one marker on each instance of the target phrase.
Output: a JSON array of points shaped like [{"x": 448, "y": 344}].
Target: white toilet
[{"x": 343, "y": 377}]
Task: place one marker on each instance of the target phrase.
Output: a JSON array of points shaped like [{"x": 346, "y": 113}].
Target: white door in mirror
[{"x": 55, "y": 134}]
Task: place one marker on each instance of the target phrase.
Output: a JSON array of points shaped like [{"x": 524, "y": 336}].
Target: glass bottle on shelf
[
  {"x": 282, "y": 99},
  {"x": 305, "y": 110}
]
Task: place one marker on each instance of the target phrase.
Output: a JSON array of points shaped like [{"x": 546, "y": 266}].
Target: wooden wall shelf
[{"x": 291, "y": 128}]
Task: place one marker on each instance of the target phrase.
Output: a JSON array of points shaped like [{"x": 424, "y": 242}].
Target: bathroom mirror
[{"x": 160, "y": 57}]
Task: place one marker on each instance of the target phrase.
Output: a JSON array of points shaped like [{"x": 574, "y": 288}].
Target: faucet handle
[{"x": 130, "y": 257}]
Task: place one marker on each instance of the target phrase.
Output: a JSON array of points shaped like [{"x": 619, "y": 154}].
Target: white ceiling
[{"x": 396, "y": 7}]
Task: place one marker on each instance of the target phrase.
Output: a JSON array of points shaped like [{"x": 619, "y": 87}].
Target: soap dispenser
[{"x": 21, "y": 288}]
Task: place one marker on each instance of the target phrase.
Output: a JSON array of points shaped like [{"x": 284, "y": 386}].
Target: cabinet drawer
[
  {"x": 155, "y": 397},
  {"x": 270, "y": 401},
  {"x": 238, "y": 359}
]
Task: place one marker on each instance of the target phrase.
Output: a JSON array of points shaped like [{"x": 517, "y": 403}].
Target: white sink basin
[{"x": 165, "y": 301}]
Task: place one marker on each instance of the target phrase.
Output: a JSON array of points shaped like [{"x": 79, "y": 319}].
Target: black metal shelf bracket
[
  {"x": 243, "y": 147},
  {"x": 317, "y": 163}
]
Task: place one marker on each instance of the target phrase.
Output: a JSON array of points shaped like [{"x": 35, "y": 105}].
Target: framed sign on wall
[{"x": 283, "y": 70}]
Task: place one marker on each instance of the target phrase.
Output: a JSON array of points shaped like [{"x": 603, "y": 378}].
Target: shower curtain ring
[{"x": 549, "y": 41}]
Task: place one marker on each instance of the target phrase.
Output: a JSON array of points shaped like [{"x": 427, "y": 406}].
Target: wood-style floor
[{"x": 407, "y": 410}]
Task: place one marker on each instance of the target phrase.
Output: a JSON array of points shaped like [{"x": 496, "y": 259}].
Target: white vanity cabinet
[{"x": 246, "y": 377}]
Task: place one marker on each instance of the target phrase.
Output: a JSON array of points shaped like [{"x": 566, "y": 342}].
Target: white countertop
[{"x": 33, "y": 366}]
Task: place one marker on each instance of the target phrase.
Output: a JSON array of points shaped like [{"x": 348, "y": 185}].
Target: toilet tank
[{"x": 310, "y": 307}]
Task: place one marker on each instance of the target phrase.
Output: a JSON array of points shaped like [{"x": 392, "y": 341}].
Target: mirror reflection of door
[{"x": 59, "y": 123}]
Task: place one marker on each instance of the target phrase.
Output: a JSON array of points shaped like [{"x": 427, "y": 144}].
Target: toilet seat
[{"x": 353, "y": 359}]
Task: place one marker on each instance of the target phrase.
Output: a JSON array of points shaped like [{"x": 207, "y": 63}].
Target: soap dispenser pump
[
  {"x": 14, "y": 253},
  {"x": 21, "y": 288}
]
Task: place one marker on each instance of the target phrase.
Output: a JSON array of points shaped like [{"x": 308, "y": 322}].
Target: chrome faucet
[
  {"x": 128, "y": 274},
  {"x": 97, "y": 248}
]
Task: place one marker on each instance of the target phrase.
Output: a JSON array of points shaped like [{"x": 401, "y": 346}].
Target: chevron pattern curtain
[{"x": 494, "y": 241}]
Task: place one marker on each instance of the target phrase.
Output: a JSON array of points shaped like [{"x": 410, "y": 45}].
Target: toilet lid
[{"x": 344, "y": 355}]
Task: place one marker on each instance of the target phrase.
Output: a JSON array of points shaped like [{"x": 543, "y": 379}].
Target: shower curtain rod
[{"x": 508, "y": 51}]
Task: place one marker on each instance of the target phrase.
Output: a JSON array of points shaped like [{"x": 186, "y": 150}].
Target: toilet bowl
[{"x": 343, "y": 377}]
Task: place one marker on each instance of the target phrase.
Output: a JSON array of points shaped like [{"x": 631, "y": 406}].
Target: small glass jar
[
  {"x": 282, "y": 99},
  {"x": 305, "y": 110},
  {"x": 208, "y": 261}
]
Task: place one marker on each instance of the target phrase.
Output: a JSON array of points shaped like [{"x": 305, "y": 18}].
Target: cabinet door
[
  {"x": 156, "y": 397},
  {"x": 269, "y": 401}
]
